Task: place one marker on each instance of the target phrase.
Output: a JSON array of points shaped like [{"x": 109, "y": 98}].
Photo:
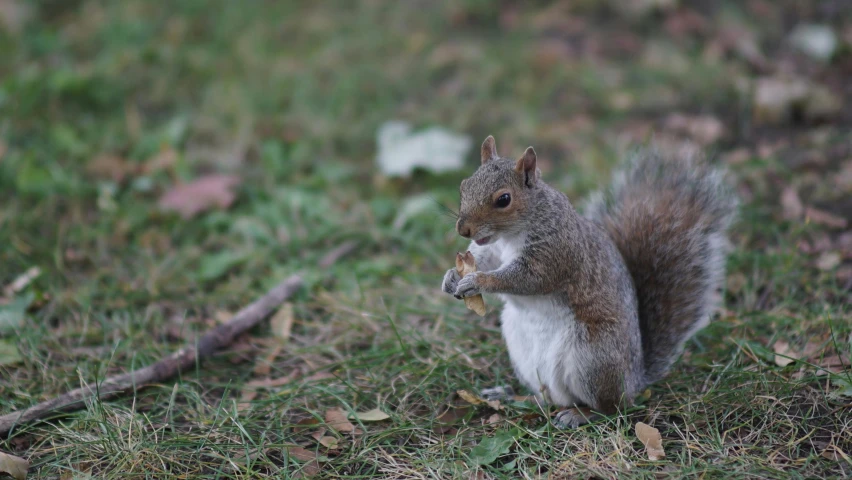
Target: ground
[{"x": 106, "y": 106}]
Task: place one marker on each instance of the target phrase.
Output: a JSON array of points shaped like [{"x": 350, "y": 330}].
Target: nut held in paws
[{"x": 465, "y": 264}]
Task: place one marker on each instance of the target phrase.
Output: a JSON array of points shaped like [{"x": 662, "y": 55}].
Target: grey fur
[{"x": 585, "y": 301}]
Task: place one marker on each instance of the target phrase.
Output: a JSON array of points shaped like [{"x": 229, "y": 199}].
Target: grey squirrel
[{"x": 597, "y": 306}]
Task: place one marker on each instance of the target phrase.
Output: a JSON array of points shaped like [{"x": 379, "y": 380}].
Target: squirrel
[{"x": 596, "y": 306}]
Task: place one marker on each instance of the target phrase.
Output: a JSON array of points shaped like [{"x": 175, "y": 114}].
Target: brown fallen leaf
[
  {"x": 494, "y": 418},
  {"x": 821, "y": 217},
  {"x": 466, "y": 264},
  {"x": 210, "y": 191},
  {"x": 162, "y": 160},
  {"x": 784, "y": 354},
  {"x": 791, "y": 203},
  {"x": 336, "y": 419},
  {"x": 652, "y": 440},
  {"x": 311, "y": 465},
  {"x": 374, "y": 415},
  {"x": 832, "y": 364},
  {"x": 305, "y": 424},
  {"x": 453, "y": 414},
  {"x": 13, "y": 466},
  {"x": 328, "y": 442},
  {"x": 477, "y": 400},
  {"x": 704, "y": 129},
  {"x": 282, "y": 322},
  {"x": 264, "y": 365},
  {"x": 111, "y": 167},
  {"x": 272, "y": 382},
  {"x": 245, "y": 399},
  {"x": 833, "y": 452}
]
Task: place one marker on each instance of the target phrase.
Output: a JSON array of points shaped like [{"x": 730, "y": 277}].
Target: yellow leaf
[
  {"x": 374, "y": 415},
  {"x": 282, "y": 322},
  {"x": 470, "y": 398}
]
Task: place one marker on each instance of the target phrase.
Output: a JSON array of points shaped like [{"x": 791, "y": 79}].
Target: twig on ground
[
  {"x": 183, "y": 359},
  {"x": 333, "y": 256}
]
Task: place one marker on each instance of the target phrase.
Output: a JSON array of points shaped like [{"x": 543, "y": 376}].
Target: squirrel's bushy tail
[{"x": 669, "y": 218}]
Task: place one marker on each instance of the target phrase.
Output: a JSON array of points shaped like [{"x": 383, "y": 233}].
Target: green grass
[{"x": 289, "y": 97}]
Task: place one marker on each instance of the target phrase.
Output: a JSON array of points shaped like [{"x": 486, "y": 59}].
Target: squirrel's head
[{"x": 495, "y": 197}]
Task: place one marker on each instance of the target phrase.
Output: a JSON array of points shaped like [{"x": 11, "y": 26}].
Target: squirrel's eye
[{"x": 503, "y": 201}]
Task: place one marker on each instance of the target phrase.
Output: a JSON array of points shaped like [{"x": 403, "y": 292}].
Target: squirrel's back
[{"x": 669, "y": 219}]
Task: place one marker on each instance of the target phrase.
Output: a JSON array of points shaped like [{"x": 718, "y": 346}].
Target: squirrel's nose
[{"x": 463, "y": 229}]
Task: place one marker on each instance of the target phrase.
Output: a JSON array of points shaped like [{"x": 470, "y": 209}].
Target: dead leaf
[
  {"x": 282, "y": 322},
  {"x": 832, "y": 364},
  {"x": 111, "y": 167},
  {"x": 828, "y": 261},
  {"x": 374, "y": 415},
  {"x": 328, "y": 442},
  {"x": 163, "y": 160},
  {"x": 833, "y": 452},
  {"x": 222, "y": 316},
  {"x": 652, "y": 440},
  {"x": 301, "y": 454},
  {"x": 494, "y": 418},
  {"x": 336, "y": 419},
  {"x": 470, "y": 398},
  {"x": 737, "y": 156},
  {"x": 305, "y": 424},
  {"x": 453, "y": 414},
  {"x": 843, "y": 179},
  {"x": 782, "y": 352},
  {"x": 311, "y": 465},
  {"x": 264, "y": 365},
  {"x": 817, "y": 41},
  {"x": 791, "y": 203},
  {"x": 22, "y": 281},
  {"x": 704, "y": 129},
  {"x": 210, "y": 191},
  {"x": 272, "y": 382},
  {"x": 477, "y": 400},
  {"x": 821, "y": 217},
  {"x": 14, "y": 14},
  {"x": 13, "y": 466},
  {"x": 245, "y": 399}
]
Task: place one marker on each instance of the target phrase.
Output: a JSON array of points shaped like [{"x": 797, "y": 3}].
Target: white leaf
[{"x": 435, "y": 149}]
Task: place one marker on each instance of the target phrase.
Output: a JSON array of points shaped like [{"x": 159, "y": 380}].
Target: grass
[{"x": 289, "y": 96}]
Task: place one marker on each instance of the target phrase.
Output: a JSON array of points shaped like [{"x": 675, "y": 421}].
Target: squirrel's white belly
[{"x": 541, "y": 342}]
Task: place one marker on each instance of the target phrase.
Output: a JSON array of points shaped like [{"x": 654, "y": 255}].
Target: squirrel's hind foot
[
  {"x": 574, "y": 417},
  {"x": 503, "y": 394}
]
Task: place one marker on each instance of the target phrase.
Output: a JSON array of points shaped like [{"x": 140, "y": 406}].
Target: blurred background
[{"x": 164, "y": 163}]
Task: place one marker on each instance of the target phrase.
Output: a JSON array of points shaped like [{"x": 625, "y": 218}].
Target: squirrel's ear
[
  {"x": 489, "y": 150},
  {"x": 526, "y": 165}
]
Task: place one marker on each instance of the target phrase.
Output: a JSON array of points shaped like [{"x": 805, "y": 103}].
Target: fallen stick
[{"x": 168, "y": 367}]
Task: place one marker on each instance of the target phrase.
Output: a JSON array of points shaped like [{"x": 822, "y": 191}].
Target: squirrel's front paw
[
  {"x": 451, "y": 280},
  {"x": 468, "y": 286}
]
